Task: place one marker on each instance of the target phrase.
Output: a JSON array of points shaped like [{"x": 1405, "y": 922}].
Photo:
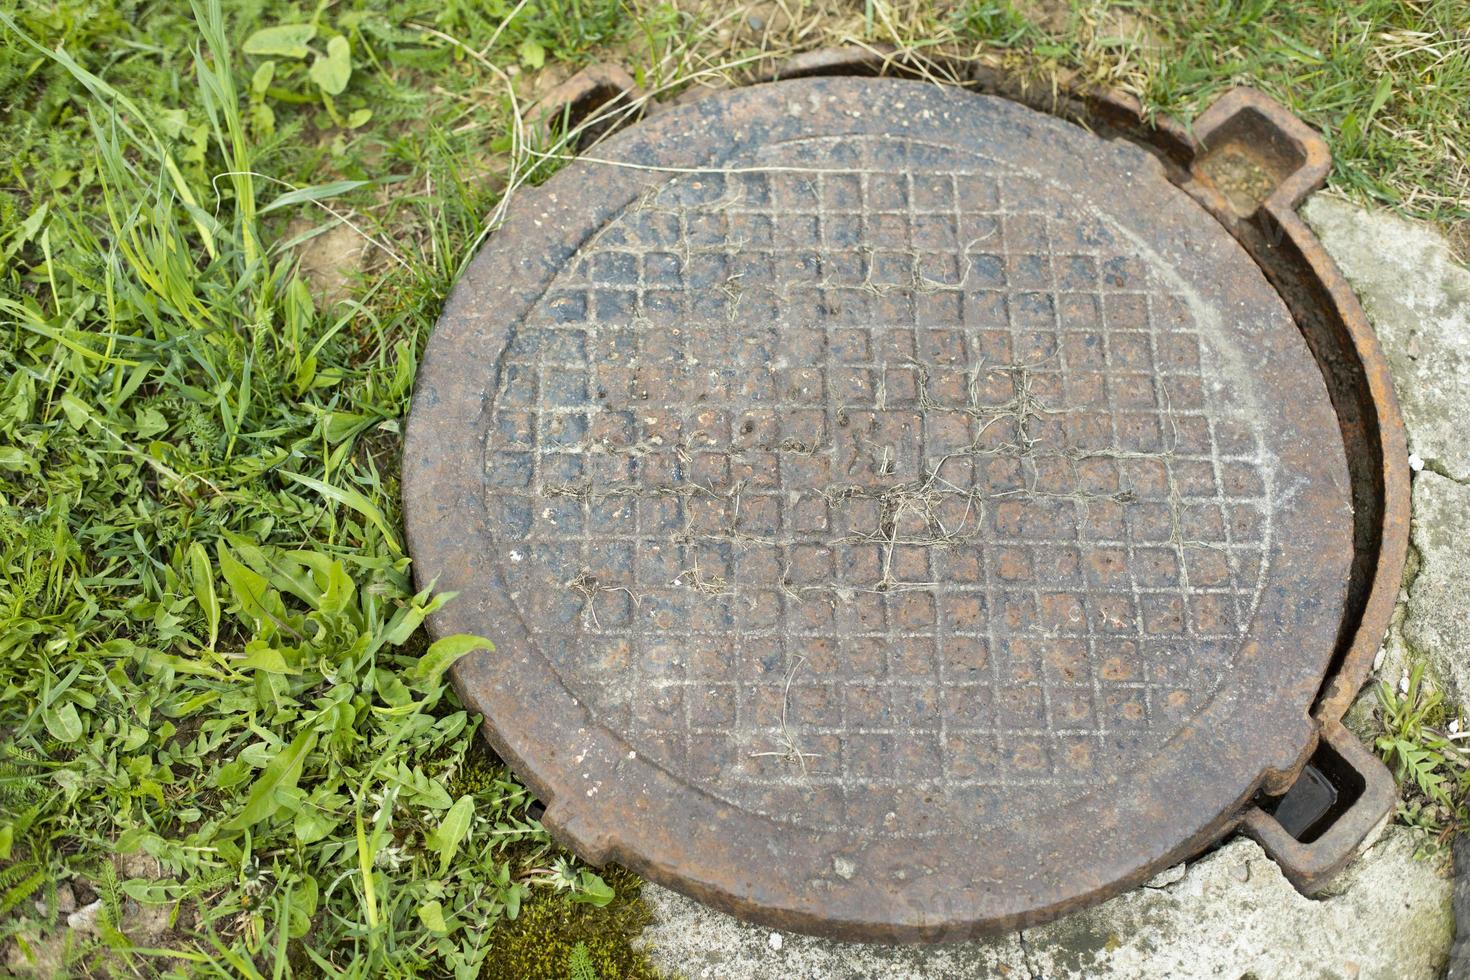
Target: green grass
[
  {"x": 1386, "y": 81},
  {"x": 210, "y": 636},
  {"x": 1422, "y": 741},
  {"x": 209, "y": 652}
]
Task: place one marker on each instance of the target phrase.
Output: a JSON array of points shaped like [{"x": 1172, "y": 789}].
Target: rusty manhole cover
[{"x": 897, "y": 511}]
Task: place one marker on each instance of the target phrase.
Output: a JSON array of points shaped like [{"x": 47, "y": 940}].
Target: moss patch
[{"x": 538, "y": 944}]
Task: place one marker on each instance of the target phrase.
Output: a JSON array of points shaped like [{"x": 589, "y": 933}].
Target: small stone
[
  {"x": 34, "y": 954},
  {"x": 145, "y": 924},
  {"x": 66, "y": 900},
  {"x": 844, "y": 868},
  {"x": 139, "y": 865},
  {"x": 1416, "y": 462},
  {"x": 84, "y": 919},
  {"x": 775, "y": 942}
]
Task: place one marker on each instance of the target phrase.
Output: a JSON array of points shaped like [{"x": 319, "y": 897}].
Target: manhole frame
[{"x": 1332, "y": 322}]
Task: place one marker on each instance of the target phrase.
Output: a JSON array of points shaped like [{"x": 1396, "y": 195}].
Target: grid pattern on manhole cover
[{"x": 870, "y": 466}]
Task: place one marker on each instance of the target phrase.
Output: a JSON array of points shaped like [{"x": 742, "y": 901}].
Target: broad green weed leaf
[
  {"x": 422, "y": 790},
  {"x": 312, "y": 824},
  {"x": 201, "y": 578},
  {"x": 77, "y": 413},
  {"x": 147, "y": 892},
  {"x": 232, "y": 774},
  {"x": 592, "y": 890},
  {"x": 303, "y": 906},
  {"x": 442, "y": 655},
  {"x": 283, "y": 40},
  {"x": 332, "y": 71},
  {"x": 137, "y": 839},
  {"x": 280, "y": 774},
  {"x": 250, "y": 590},
  {"x": 16, "y": 460},
  {"x": 511, "y": 895},
  {"x": 392, "y": 690},
  {"x": 262, "y": 119},
  {"x": 431, "y": 914},
  {"x": 28, "y": 229},
  {"x": 265, "y": 73},
  {"x": 340, "y": 593},
  {"x": 533, "y": 55},
  {"x": 309, "y": 895},
  {"x": 264, "y": 657},
  {"x": 63, "y": 723},
  {"x": 408, "y": 618},
  {"x": 445, "y": 840}
]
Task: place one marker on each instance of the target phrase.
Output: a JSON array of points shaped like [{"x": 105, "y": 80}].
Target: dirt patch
[
  {"x": 75, "y": 924},
  {"x": 533, "y": 86},
  {"x": 763, "y": 22},
  {"x": 331, "y": 261},
  {"x": 1120, "y": 25},
  {"x": 1240, "y": 177},
  {"x": 1049, "y": 15}
]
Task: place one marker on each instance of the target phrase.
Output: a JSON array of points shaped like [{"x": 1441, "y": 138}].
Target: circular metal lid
[{"x": 896, "y": 511}]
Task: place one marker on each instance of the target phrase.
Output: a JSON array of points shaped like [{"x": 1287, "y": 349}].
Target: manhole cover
[{"x": 895, "y": 510}]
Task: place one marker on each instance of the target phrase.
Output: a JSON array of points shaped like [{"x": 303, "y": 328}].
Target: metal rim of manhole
[{"x": 902, "y": 513}]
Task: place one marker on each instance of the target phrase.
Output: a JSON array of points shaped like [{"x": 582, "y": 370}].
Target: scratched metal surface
[{"x": 899, "y": 513}]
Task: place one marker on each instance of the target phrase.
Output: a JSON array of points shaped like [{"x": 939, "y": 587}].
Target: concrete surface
[
  {"x": 1436, "y": 622},
  {"x": 1231, "y": 915}
]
